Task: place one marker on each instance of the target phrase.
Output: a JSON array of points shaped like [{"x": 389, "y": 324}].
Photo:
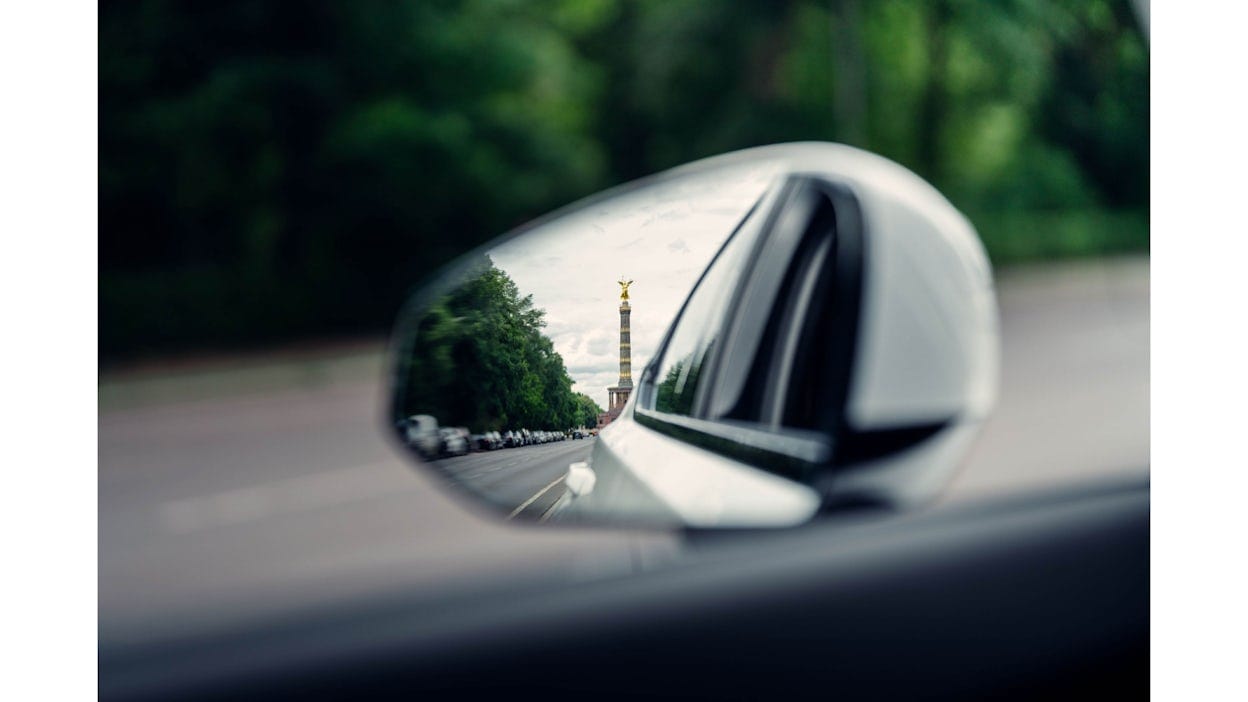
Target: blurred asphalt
[
  {"x": 525, "y": 481},
  {"x": 262, "y": 486}
]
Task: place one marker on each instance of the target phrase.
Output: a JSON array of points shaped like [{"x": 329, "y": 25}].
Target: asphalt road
[
  {"x": 264, "y": 486},
  {"x": 232, "y": 506},
  {"x": 525, "y": 482},
  {"x": 1074, "y": 391}
]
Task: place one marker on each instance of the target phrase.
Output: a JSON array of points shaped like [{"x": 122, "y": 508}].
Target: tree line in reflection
[
  {"x": 480, "y": 360},
  {"x": 675, "y": 394}
]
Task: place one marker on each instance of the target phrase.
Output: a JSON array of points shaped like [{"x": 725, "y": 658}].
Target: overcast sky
[{"x": 661, "y": 238}]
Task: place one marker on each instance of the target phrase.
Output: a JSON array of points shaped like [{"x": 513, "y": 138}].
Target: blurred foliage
[
  {"x": 277, "y": 170},
  {"x": 483, "y": 362}
]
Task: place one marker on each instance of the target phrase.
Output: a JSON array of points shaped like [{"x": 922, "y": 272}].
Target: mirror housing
[{"x": 842, "y": 342}]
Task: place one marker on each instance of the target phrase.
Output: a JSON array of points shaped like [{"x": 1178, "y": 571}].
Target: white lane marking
[
  {"x": 533, "y": 499},
  {"x": 549, "y": 511},
  {"x": 300, "y": 493}
]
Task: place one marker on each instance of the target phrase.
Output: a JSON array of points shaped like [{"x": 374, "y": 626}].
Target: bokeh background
[
  {"x": 282, "y": 172},
  {"x": 274, "y": 177}
]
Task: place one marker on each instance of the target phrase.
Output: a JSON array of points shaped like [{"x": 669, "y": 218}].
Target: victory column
[{"x": 619, "y": 394}]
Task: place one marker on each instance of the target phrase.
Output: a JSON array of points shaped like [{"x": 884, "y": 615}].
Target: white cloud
[{"x": 678, "y": 246}]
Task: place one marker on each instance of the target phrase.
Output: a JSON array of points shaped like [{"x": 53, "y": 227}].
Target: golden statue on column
[{"x": 617, "y": 395}]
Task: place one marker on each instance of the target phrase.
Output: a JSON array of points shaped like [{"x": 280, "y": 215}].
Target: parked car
[
  {"x": 420, "y": 431},
  {"x": 452, "y": 442}
]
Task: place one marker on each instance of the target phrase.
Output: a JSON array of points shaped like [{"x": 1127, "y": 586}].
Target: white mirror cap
[{"x": 928, "y": 342}]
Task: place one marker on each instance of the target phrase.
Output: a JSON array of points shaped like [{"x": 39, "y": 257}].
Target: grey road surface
[
  {"x": 233, "y": 506},
  {"x": 263, "y": 487},
  {"x": 1074, "y": 390},
  {"x": 524, "y": 482}
]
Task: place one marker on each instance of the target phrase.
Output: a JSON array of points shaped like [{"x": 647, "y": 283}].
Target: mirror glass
[{"x": 510, "y": 366}]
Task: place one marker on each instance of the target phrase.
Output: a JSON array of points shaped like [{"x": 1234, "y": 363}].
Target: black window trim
[
  {"x": 717, "y": 368},
  {"x": 792, "y": 453},
  {"x": 764, "y": 206}
]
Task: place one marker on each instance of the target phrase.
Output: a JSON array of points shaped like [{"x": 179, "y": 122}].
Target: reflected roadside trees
[{"x": 482, "y": 361}]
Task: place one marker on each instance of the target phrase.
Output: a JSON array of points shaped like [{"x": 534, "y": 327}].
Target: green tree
[
  {"x": 587, "y": 411},
  {"x": 271, "y": 170},
  {"x": 675, "y": 393},
  {"x": 480, "y": 360}
]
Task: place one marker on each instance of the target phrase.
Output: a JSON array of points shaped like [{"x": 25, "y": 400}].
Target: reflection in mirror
[
  {"x": 747, "y": 341},
  {"x": 511, "y": 366}
]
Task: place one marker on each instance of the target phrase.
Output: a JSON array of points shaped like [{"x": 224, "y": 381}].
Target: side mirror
[{"x": 815, "y": 328}]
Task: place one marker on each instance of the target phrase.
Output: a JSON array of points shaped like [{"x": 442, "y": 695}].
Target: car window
[{"x": 697, "y": 331}]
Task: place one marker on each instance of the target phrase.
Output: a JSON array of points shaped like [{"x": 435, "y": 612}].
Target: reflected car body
[
  {"x": 1038, "y": 596},
  {"x": 840, "y": 349}
]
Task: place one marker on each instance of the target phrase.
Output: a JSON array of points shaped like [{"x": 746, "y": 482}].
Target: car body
[{"x": 1042, "y": 596}]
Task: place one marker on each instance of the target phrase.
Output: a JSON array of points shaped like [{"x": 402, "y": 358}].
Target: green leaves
[
  {"x": 270, "y": 171},
  {"x": 480, "y": 360},
  {"x": 319, "y": 160}
]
